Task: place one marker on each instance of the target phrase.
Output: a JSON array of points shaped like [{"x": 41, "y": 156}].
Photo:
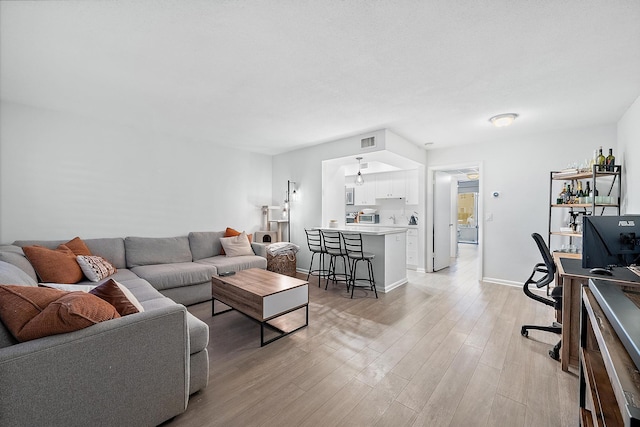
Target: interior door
[{"x": 442, "y": 225}]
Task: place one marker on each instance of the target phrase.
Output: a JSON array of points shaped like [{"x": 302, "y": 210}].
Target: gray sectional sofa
[{"x": 135, "y": 370}]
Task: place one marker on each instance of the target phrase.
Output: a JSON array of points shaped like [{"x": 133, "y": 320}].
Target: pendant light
[{"x": 359, "y": 178}]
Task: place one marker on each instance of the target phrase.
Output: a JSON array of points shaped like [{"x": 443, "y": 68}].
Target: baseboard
[
  {"x": 392, "y": 286},
  {"x": 501, "y": 282}
]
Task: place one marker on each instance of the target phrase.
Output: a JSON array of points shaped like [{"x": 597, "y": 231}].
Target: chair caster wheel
[
  {"x": 554, "y": 354},
  {"x": 524, "y": 332}
]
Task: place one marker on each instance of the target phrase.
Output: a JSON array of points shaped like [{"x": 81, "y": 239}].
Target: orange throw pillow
[
  {"x": 55, "y": 266},
  {"x": 230, "y": 232},
  {"x": 32, "y": 312},
  {"x": 78, "y": 247}
]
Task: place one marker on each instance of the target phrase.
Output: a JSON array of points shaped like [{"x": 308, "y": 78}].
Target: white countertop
[
  {"x": 370, "y": 230},
  {"x": 381, "y": 225}
]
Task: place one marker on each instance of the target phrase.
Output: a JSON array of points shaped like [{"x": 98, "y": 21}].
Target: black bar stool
[
  {"x": 353, "y": 245},
  {"x": 316, "y": 246},
  {"x": 333, "y": 245}
]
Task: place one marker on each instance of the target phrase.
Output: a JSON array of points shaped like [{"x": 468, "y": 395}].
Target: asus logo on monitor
[{"x": 626, "y": 224}]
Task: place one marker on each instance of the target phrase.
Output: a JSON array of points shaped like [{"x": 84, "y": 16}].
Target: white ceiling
[{"x": 272, "y": 76}]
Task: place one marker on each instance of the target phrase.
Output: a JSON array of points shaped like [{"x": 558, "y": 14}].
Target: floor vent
[{"x": 368, "y": 142}]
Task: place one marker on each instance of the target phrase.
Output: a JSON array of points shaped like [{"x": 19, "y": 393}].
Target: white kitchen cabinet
[
  {"x": 412, "y": 247},
  {"x": 411, "y": 197},
  {"x": 391, "y": 185},
  {"x": 365, "y": 194}
]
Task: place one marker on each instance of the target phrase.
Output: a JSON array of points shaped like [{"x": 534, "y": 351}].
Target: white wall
[
  {"x": 519, "y": 170},
  {"x": 629, "y": 157},
  {"x": 63, "y": 175}
]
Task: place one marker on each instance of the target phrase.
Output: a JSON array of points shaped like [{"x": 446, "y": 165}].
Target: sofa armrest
[
  {"x": 128, "y": 371},
  {"x": 259, "y": 249}
]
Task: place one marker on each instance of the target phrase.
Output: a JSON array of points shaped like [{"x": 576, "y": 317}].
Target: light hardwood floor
[{"x": 444, "y": 350}]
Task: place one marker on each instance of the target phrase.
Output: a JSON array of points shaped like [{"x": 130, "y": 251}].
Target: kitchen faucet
[{"x": 393, "y": 218}]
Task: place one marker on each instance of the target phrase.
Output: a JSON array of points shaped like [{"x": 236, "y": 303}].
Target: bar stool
[
  {"x": 353, "y": 245},
  {"x": 333, "y": 245},
  {"x": 316, "y": 246}
]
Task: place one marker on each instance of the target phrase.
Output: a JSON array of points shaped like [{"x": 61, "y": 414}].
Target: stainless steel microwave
[{"x": 369, "y": 219}]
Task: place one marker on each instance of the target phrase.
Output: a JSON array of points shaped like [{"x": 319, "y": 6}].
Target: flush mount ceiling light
[
  {"x": 502, "y": 120},
  {"x": 473, "y": 176},
  {"x": 359, "y": 178}
]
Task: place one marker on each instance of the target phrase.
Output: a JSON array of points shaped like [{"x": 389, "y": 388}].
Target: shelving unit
[{"x": 611, "y": 178}]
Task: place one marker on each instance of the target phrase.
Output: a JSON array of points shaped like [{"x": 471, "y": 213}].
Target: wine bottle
[
  {"x": 562, "y": 195},
  {"x": 610, "y": 161},
  {"x": 588, "y": 192},
  {"x": 601, "y": 160},
  {"x": 580, "y": 193}
]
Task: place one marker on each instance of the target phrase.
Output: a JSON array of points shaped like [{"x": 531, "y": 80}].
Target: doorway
[
  {"x": 467, "y": 209},
  {"x": 439, "y": 231}
]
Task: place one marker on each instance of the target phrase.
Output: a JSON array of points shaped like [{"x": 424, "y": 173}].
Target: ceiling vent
[{"x": 368, "y": 142}]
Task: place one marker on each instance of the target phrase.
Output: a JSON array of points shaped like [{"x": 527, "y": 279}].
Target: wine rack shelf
[{"x": 601, "y": 179}]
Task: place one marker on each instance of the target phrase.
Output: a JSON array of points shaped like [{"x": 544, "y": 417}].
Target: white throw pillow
[{"x": 236, "y": 246}]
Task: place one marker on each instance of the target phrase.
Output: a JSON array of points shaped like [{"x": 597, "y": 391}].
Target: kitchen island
[{"x": 389, "y": 245}]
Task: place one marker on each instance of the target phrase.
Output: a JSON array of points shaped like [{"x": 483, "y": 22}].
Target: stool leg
[
  {"x": 313, "y": 254},
  {"x": 371, "y": 279},
  {"x": 331, "y": 272}
]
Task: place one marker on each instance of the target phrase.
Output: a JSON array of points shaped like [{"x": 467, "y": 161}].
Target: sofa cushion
[
  {"x": 95, "y": 268},
  {"x": 12, "y": 275},
  {"x": 54, "y": 265},
  {"x": 223, "y": 263},
  {"x": 14, "y": 255},
  {"x": 141, "y": 289},
  {"x": 30, "y": 312},
  {"x": 205, "y": 244},
  {"x": 165, "y": 276},
  {"x": 111, "y": 249},
  {"x": 198, "y": 330},
  {"x": 156, "y": 250}
]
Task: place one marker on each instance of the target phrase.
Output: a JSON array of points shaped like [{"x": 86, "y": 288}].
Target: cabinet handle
[{"x": 599, "y": 320}]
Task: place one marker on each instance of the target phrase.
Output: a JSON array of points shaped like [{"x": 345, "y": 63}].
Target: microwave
[{"x": 369, "y": 219}]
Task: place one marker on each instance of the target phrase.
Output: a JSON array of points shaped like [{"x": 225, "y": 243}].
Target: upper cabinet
[
  {"x": 412, "y": 187},
  {"x": 391, "y": 185},
  {"x": 365, "y": 194}
]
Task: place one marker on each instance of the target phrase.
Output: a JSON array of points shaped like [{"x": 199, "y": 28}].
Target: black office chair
[{"x": 548, "y": 269}]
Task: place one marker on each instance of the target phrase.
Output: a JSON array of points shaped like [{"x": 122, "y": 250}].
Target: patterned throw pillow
[{"x": 95, "y": 268}]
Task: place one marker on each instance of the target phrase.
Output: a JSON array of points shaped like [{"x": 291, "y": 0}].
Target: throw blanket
[{"x": 282, "y": 248}]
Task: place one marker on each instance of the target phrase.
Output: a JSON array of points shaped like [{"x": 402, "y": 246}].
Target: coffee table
[{"x": 262, "y": 296}]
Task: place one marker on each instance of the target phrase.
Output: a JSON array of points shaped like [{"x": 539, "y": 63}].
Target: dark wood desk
[{"x": 573, "y": 277}]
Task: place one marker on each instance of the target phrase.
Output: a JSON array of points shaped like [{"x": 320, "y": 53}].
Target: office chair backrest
[{"x": 546, "y": 256}]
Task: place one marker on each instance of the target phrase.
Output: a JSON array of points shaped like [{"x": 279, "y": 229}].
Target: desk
[{"x": 573, "y": 277}]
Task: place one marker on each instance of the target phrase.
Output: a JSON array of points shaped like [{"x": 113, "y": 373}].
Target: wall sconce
[
  {"x": 502, "y": 120},
  {"x": 359, "y": 178}
]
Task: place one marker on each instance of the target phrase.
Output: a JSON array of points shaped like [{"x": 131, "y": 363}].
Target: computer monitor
[{"x": 610, "y": 241}]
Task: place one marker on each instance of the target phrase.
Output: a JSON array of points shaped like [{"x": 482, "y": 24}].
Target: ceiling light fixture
[
  {"x": 359, "y": 178},
  {"x": 473, "y": 176},
  {"x": 502, "y": 120}
]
